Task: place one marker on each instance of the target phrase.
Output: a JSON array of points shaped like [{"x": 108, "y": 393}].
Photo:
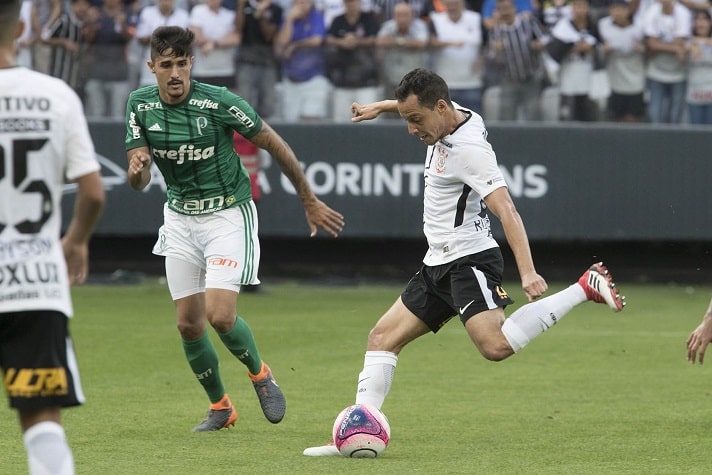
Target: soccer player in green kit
[{"x": 209, "y": 234}]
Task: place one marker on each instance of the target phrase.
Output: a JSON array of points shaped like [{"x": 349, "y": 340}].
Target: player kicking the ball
[
  {"x": 209, "y": 235},
  {"x": 462, "y": 269}
]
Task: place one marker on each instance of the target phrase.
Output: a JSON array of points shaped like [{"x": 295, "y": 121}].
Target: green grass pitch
[{"x": 600, "y": 393}]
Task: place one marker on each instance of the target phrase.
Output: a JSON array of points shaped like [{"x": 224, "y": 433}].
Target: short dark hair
[
  {"x": 177, "y": 40},
  {"x": 427, "y": 86},
  {"x": 9, "y": 16}
]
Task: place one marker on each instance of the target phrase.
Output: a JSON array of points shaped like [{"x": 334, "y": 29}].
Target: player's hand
[
  {"x": 138, "y": 172},
  {"x": 698, "y": 340},
  {"x": 77, "y": 257},
  {"x": 534, "y": 286},
  {"x": 364, "y": 112},
  {"x": 321, "y": 216}
]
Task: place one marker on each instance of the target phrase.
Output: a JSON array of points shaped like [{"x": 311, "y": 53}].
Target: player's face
[
  {"x": 425, "y": 123},
  {"x": 172, "y": 76}
]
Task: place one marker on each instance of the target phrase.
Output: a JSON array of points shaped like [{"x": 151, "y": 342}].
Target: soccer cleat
[
  {"x": 598, "y": 284},
  {"x": 271, "y": 398},
  {"x": 328, "y": 450},
  {"x": 221, "y": 414}
]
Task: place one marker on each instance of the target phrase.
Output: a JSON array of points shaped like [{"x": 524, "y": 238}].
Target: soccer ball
[{"x": 361, "y": 431}]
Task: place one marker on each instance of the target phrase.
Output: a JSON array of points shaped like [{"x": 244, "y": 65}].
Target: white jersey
[
  {"x": 460, "y": 170},
  {"x": 44, "y": 140}
]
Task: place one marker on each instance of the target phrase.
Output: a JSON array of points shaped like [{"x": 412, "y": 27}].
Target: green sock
[
  {"x": 203, "y": 361},
  {"x": 241, "y": 343}
]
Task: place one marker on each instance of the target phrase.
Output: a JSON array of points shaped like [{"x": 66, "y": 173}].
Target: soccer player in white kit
[
  {"x": 44, "y": 140},
  {"x": 462, "y": 269}
]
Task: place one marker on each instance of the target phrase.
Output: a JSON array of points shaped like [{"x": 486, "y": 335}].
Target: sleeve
[
  {"x": 240, "y": 115},
  {"x": 135, "y": 133},
  {"x": 480, "y": 172}
]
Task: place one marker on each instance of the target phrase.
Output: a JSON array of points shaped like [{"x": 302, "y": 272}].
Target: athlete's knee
[
  {"x": 495, "y": 350},
  {"x": 190, "y": 329}
]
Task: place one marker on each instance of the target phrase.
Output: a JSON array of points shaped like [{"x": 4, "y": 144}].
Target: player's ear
[{"x": 151, "y": 66}]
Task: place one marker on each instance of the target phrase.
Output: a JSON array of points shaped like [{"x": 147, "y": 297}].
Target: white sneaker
[{"x": 328, "y": 450}]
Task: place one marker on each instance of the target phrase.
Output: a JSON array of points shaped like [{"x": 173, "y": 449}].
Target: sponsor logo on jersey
[
  {"x": 155, "y": 128},
  {"x": 36, "y": 382},
  {"x": 240, "y": 115},
  {"x": 24, "y": 125},
  {"x": 185, "y": 152},
  {"x": 203, "y": 205},
  {"x": 222, "y": 261},
  {"x": 9, "y": 103},
  {"x": 203, "y": 104},
  {"x": 133, "y": 125},
  {"x": 147, "y": 106}
]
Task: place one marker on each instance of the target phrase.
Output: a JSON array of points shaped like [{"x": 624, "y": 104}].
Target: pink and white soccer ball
[{"x": 361, "y": 431}]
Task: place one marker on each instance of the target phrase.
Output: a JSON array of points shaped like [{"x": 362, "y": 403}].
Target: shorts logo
[
  {"x": 501, "y": 293},
  {"x": 222, "y": 262},
  {"x": 36, "y": 382}
]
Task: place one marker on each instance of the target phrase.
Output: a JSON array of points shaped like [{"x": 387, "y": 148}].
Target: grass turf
[{"x": 600, "y": 393}]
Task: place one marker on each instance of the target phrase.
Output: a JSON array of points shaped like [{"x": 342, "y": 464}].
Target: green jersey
[{"x": 191, "y": 143}]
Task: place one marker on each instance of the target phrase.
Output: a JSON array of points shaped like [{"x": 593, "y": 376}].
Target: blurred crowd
[{"x": 308, "y": 60}]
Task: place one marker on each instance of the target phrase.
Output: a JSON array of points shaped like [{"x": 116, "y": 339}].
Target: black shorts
[
  {"x": 38, "y": 362},
  {"x": 465, "y": 287}
]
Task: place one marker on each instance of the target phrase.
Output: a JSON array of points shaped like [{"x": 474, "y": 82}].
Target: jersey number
[{"x": 18, "y": 153}]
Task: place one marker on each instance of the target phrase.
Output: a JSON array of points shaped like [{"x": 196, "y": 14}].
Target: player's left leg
[
  {"x": 45, "y": 442},
  {"x": 232, "y": 255},
  {"x": 532, "y": 319}
]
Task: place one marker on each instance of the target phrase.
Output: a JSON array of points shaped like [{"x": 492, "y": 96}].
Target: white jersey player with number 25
[{"x": 44, "y": 143}]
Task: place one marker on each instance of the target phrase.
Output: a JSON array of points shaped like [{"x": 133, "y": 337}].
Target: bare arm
[
  {"x": 318, "y": 214},
  {"x": 88, "y": 207},
  {"x": 139, "y": 172},
  {"x": 500, "y": 203},
  {"x": 372, "y": 110},
  {"x": 701, "y": 337}
]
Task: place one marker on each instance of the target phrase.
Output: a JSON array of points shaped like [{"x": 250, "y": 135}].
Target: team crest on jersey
[{"x": 442, "y": 154}]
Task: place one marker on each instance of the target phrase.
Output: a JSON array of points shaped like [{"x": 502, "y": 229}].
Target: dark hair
[
  {"x": 174, "y": 40},
  {"x": 9, "y": 16},
  {"x": 427, "y": 86}
]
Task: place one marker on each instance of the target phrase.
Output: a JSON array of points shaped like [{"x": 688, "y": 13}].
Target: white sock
[
  {"x": 375, "y": 380},
  {"x": 533, "y": 319},
  {"x": 47, "y": 450}
]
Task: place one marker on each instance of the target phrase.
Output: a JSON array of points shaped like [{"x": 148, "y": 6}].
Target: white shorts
[{"x": 219, "y": 250}]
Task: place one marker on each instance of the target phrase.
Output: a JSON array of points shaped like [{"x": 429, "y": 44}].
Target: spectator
[
  {"x": 699, "y": 81},
  {"x": 667, "y": 27},
  {"x": 163, "y": 13},
  {"x": 384, "y": 8},
  {"x": 554, "y": 10},
  {"x": 456, "y": 36},
  {"x": 401, "y": 42},
  {"x": 44, "y": 13},
  {"x": 305, "y": 89},
  {"x": 515, "y": 46},
  {"x": 107, "y": 84},
  {"x": 622, "y": 44},
  {"x": 24, "y": 42},
  {"x": 66, "y": 38},
  {"x": 573, "y": 45},
  {"x": 351, "y": 64},
  {"x": 489, "y": 10},
  {"x": 257, "y": 22},
  {"x": 215, "y": 39},
  {"x": 334, "y": 8}
]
